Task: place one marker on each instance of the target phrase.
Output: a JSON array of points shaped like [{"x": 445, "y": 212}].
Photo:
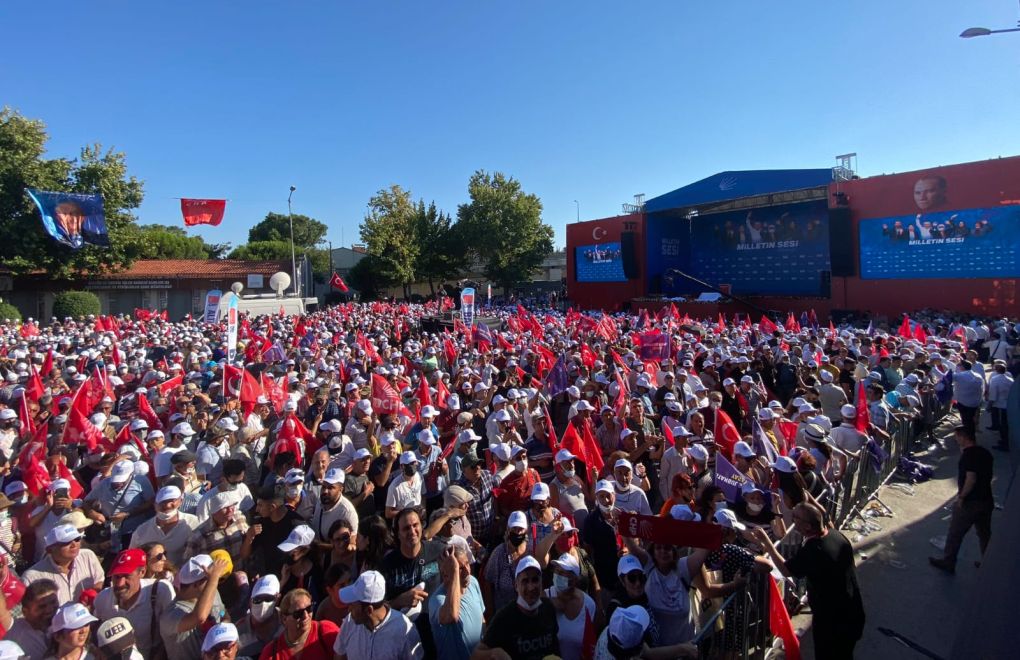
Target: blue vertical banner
[
  {"x": 232, "y": 329},
  {"x": 72, "y": 219}
]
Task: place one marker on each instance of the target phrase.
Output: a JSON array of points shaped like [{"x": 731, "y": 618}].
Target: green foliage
[
  {"x": 370, "y": 277},
  {"x": 388, "y": 232},
  {"x": 441, "y": 253},
  {"x": 308, "y": 232},
  {"x": 502, "y": 225},
  {"x": 27, "y": 246},
  {"x": 163, "y": 242},
  {"x": 280, "y": 251},
  {"x": 9, "y": 311},
  {"x": 75, "y": 304}
]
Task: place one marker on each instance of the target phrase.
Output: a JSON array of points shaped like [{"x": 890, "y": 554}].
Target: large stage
[{"x": 947, "y": 238}]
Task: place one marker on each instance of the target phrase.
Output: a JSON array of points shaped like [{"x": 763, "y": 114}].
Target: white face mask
[
  {"x": 569, "y": 473},
  {"x": 164, "y": 516},
  {"x": 606, "y": 509},
  {"x": 520, "y": 466},
  {"x": 293, "y": 491},
  {"x": 561, "y": 583},
  {"x": 754, "y": 509},
  {"x": 261, "y": 611},
  {"x": 524, "y": 605}
]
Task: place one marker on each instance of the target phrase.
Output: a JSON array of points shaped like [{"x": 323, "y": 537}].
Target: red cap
[{"x": 128, "y": 561}]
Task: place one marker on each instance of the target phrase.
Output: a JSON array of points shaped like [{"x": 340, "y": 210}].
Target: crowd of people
[{"x": 344, "y": 485}]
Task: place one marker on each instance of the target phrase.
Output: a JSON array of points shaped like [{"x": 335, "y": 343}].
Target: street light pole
[
  {"x": 578, "y": 205},
  {"x": 293, "y": 254}
]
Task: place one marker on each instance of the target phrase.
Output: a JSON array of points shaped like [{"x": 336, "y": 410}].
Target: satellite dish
[
  {"x": 279, "y": 282},
  {"x": 237, "y": 287}
]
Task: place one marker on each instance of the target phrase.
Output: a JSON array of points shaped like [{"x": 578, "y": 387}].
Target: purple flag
[
  {"x": 761, "y": 444},
  {"x": 876, "y": 455},
  {"x": 556, "y": 381},
  {"x": 728, "y": 478}
]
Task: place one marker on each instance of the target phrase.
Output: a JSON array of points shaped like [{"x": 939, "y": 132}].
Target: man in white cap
[
  {"x": 628, "y": 496},
  {"x": 456, "y": 610},
  {"x": 433, "y": 469},
  {"x": 231, "y": 481},
  {"x": 170, "y": 527},
  {"x": 225, "y": 529},
  {"x": 132, "y": 597},
  {"x": 47, "y": 515},
  {"x": 362, "y": 427},
  {"x": 831, "y": 396},
  {"x": 197, "y": 601},
  {"x": 180, "y": 436},
  {"x": 73, "y": 568},
  {"x": 527, "y": 627},
  {"x": 846, "y": 436},
  {"x": 121, "y": 501},
  {"x": 221, "y": 642},
  {"x": 375, "y": 630},
  {"x": 332, "y": 506},
  {"x": 405, "y": 490},
  {"x": 260, "y": 625}
]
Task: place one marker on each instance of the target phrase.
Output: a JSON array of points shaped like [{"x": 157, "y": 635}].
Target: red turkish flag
[
  {"x": 424, "y": 394},
  {"x": 863, "y": 420},
  {"x": 726, "y": 434},
  {"x": 337, "y": 282},
  {"x": 780, "y": 624},
  {"x": 203, "y": 211}
]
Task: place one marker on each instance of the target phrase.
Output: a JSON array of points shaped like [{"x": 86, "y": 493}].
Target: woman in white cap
[
  {"x": 576, "y": 614},
  {"x": 70, "y": 630},
  {"x": 498, "y": 585},
  {"x": 299, "y": 570},
  {"x": 568, "y": 493},
  {"x": 564, "y": 541},
  {"x": 526, "y": 627}
]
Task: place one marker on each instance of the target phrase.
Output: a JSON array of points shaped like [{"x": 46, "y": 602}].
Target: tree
[
  {"x": 441, "y": 254},
  {"x": 502, "y": 225},
  {"x": 388, "y": 232},
  {"x": 280, "y": 251},
  {"x": 75, "y": 304},
  {"x": 165, "y": 242},
  {"x": 369, "y": 277},
  {"x": 308, "y": 232},
  {"x": 27, "y": 246}
]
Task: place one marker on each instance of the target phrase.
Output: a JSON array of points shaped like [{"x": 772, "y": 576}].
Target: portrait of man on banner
[{"x": 72, "y": 219}]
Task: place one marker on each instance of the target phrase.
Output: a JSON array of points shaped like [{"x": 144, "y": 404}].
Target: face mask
[
  {"x": 516, "y": 539},
  {"x": 714, "y": 405},
  {"x": 569, "y": 473},
  {"x": 227, "y": 487},
  {"x": 561, "y": 582},
  {"x": 527, "y": 607},
  {"x": 293, "y": 491},
  {"x": 719, "y": 506},
  {"x": 261, "y": 611},
  {"x": 520, "y": 466},
  {"x": 754, "y": 509},
  {"x": 606, "y": 509},
  {"x": 164, "y": 516},
  {"x": 409, "y": 470},
  {"x": 21, "y": 500}
]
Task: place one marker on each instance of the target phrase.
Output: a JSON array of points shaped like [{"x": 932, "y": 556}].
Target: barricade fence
[{"x": 738, "y": 626}]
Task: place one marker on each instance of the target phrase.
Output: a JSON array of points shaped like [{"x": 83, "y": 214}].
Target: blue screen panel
[{"x": 600, "y": 263}]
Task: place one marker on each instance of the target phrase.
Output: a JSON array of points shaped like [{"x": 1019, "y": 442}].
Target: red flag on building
[
  {"x": 337, "y": 282},
  {"x": 203, "y": 211}
]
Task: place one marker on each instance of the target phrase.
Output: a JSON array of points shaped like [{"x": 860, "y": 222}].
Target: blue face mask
[{"x": 719, "y": 506}]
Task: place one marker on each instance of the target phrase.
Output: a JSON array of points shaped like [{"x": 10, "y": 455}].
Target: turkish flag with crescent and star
[
  {"x": 337, "y": 282},
  {"x": 203, "y": 211}
]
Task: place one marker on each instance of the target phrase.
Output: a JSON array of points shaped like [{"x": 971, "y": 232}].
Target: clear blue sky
[{"x": 592, "y": 101}]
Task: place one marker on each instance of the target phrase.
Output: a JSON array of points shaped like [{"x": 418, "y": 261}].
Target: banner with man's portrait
[{"x": 72, "y": 219}]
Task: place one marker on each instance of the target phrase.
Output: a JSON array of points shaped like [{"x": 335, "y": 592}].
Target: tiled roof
[{"x": 191, "y": 269}]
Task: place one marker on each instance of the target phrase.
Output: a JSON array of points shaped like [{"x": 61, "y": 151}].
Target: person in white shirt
[
  {"x": 846, "y": 436},
  {"x": 628, "y": 496},
  {"x": 674, "y": 461},
  {"x": 999, "y": 386},
  {"x": 373, "y": 629},
  {"x": 132, "y": 597},
  {"x": 170, "y": 527},
  {"x": 405, "y": 490},
  {"x": 332, "y": 506}
]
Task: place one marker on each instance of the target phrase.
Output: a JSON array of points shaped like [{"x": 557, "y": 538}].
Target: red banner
[
  {"x": 337, "y": 282},
  {"x": 669, "y": 530},
  {"x": 203, "y": 211},
  {"x": 384, "y": 398}
]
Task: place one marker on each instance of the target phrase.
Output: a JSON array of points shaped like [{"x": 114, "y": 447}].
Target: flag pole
[{"x": 293, "y": 257}]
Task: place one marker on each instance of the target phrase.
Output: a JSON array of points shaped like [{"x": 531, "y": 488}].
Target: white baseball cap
[
  {"x": 425, "y": 437},
  {"x": 784, "y": 464},
  {"x": 71, "y": 616},
  {"x": 195, "y": 569},
  {"x": 743, "y": 450},
  {"x": 429, "y": 411},
  {"x": 517, "y": 520},
  {"x": 11, "y": 651},
  {"x": 604, "y": 486},
  {"x": 139, "y": 424},
  {"x": 564, "y": 455},
  {"x": 698, "y": 453},
  {"x": 727, "y": 518},
  {"x": 167, "y": 493},
  {"x": 408, "y": 458},
  {"x": 267, "y": 585},
  {"x": 332, "y": 426},
  {"x": 122, "y": 471},
  {"x": 370, "y": 587},
  {"x": 301, "y": 536},
  {"x": 540, "y": 491},
  {"x": 628, "y": 564},
  {"x": 628, "y": 625},
  {"x": 61, "y": 534},
  {"x": 527, "y": 562},
  {"x": 684, "y": 512},
  {"x": 848, "y": 411},
  {"x": 221, "y": 633},
  {"x": 183, "y": 428},
  {"x": 335, "y": 476}
]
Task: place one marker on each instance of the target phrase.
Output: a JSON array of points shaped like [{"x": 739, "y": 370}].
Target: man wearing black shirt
[
  {"x": 525, "y": 629},
  {"x": 826, "y": 559},
  {"x": 974, "y": 502}
]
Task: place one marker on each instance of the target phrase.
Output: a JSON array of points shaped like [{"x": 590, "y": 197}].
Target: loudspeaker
[
  {"x": 841, "y": 242},
  {"x": 826, "y": 283},
  {"x": 628, "y": 249}
]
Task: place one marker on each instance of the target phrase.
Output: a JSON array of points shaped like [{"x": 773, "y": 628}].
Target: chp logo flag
[
  {"x": 72, "y": 219},
  {"x": 203, "y": 211},
  {"x": 212, "y": 305},
  {"x": 337, "y": 282}
]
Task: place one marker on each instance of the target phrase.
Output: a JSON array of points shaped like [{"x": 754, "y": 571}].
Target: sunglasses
[
  {"x": 158, "y": 557},
  {"x": 264, "y": 599},
  {"x": 299, "y": 615},
  {"x": 635, "y": 576},
  {"x": 220, "y": 648},
  {"x": 343, "y": 538},
  {"x": 67, "y": 543}
]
